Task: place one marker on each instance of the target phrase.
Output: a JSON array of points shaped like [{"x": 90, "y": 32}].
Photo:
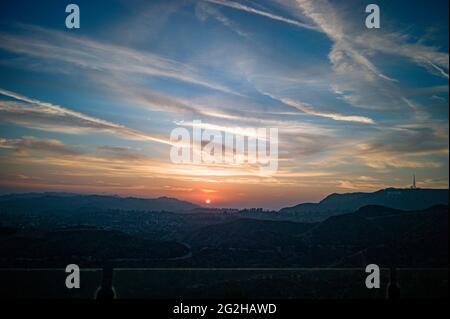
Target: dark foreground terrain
[{"x": 189, "y": 252}]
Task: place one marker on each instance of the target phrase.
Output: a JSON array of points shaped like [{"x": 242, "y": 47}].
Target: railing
[{"x": 155, "y": 283}]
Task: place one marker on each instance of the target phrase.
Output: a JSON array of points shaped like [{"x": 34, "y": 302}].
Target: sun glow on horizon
[{"x": 346, "y": 118}]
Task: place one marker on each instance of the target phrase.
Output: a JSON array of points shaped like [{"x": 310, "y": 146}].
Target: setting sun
[{"x": 208, "y": 201}]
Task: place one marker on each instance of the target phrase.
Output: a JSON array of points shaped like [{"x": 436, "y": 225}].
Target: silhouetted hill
[
  {"x": 38, "y": 202},
  {"x": 45, "y": 229},
  {"x": 409, "y": 238},
  {"x": 376, "y": 224},
  {"x": 416, "y": 238},
  {"x": 83, "y": 244},
  {"x": 336, "y": 204},
  {"x": 248, "y": 233}
]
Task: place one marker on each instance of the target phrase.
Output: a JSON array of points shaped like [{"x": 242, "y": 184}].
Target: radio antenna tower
[{"x": 414, "y": 182}]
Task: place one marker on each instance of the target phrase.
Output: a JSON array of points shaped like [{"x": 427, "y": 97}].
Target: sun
[{"x": 208, "y": 201}]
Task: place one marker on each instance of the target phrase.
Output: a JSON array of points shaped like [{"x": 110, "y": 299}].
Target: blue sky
[{"x": 91, "y": 109}]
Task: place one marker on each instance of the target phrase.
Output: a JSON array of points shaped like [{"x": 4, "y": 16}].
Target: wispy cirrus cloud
[
  {"x": 411, "y": 148},
  {"x": 45, "y": 116},
  {"x": 342, "y": 29},
  {"x": 94, "y": 55},
  {"x": 308, "y": 109},
  {"x": 27, "y": 144},
  {"x": 205, "y": 11},
  {"x": 242, "y": 7},
  {"x": 355, "y": 108},
  {"x": 365, "y": 85},
  {"x": 358, "y": 80}
]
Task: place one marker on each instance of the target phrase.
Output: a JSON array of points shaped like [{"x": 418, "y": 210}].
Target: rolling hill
[
  {"x": 417, "y": 238},
  {"x": 337, "y": 204},
  {"x": 86, "y": 245},
  {"x": 38, "y": 202}
]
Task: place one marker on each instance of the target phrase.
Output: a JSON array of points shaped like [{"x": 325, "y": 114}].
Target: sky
[{"x": 91, "y": 110}]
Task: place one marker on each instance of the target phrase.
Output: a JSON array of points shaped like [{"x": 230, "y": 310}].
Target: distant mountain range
[
  {"x": 342, "y": 230},
  {"x": 332, "y": 205},
  {"x": 336, "y": 204},
  {"x": 67, "y": 201}
]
